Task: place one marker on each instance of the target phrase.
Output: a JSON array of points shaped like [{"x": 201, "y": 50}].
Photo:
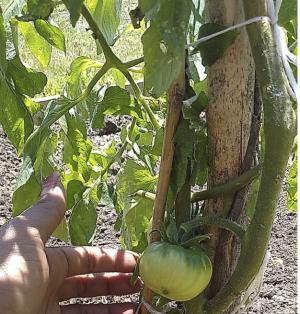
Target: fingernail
[{"x": 50, "y": 183}]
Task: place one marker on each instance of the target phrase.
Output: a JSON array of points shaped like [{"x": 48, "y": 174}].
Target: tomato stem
[
  {"x": 214, "y": 220},
  {"x": 230, "y": 187}
]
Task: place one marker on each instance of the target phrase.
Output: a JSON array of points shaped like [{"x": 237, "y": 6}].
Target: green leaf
[
  {"x": 183, "y": 152},
  {"x": 200, "y": 166},
  {"x": 78, "y": 66},
  {"x": 118, "y": 78},
  {"x": 213, "y": 49},
  {"x": 26, "y": 80},
  {"x": 12, "y": 39},
  {"x": 288, "y": 11},
  {"x": 106, "y": 195},
  {"x": 293, "y": 187},
  {"x": 106, "y": 14},
  {"x": 77, "y": 147},
  {"x": 134, "y": 177},
  {"x": 82, "y": 225},
  {"x": 163, "y": 45},
  {"x": 158, "y": 143},
  {"x": 51, "y": 33},
  {"x": 200, "y": 87},
  {"x": 27, "y": 188},
  {"x": 55, "y": 110},
  {"x": 74, "y": 191},
  {"x": 40, "y": 8},
  {"x": 14, "y": 116},
  {"x": 172, "y": 231},
  {"x": 62, "y": 231},
  {"x": 32, "y": 174},
  {"x": 136, "y": 215},
  {"x": 116, "y": 101},
  {"x": 32, "y": 106},
  {"x": 74, "y": 7},
  {"x": 38, "y": 46},
  {"x": 144, "y": 138},
  {"x": 44, "y": 164}
]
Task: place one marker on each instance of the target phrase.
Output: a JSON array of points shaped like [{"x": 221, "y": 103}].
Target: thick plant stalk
[
  {"x": 279, "y": 128},
  {"x": 176, "y": 93}
]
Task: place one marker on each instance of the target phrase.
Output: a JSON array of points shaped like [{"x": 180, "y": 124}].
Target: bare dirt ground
[{"x": 279, "y": 291}]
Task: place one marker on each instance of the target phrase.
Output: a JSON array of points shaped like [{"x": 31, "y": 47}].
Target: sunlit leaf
[
  {"x": 78, "y": 66},
  {"x": 133, "y": 178},
  {"x": 82, "y": 225},
  {"x": 74, "y": 7},
  {"x": 106, "y": 14},
  {"x": 27, "y": 188},
  {"x": 51, "y": 33},
  {"x": 40, "y": 8},
  {"x": 26, "y": 80},
  {"x": 38, "y": 46},
  {"x": 56, "y": 109},
  {"x": 163, "y": 45},
  {"x": 14, "y": 116},
  {"x": 137, "y": 215},
  {"x": 116, "y": 101}
]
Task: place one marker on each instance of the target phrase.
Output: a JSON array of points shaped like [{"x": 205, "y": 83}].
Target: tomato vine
[{"x": 167, "y": 127}]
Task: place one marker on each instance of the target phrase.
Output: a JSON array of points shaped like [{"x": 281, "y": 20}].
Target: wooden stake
[{"x": 176, "y": 93}]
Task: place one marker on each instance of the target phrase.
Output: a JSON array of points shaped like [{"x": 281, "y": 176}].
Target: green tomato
[{"x": 175, "y": 272}]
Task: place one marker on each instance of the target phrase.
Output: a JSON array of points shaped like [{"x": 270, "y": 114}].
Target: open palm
[{"x": 34, "y": 279}]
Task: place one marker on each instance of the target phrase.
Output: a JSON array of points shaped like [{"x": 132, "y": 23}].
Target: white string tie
[
  {"x": 228, "y": 29},
  {"x": 286, "y": 56}
]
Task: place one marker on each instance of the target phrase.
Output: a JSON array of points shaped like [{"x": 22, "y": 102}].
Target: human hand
[{"x": 34, "y": 278}]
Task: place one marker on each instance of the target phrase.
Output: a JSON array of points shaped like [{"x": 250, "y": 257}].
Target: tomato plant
[{"x": 209, "y": 132}]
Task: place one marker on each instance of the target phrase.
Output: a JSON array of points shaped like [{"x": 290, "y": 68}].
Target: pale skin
[{"x": 34, "y": 279}]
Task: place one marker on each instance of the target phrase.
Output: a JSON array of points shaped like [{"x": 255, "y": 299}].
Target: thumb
[{"x": 48, "y": 212}]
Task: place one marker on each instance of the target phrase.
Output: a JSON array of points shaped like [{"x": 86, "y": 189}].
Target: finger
[
  {"x": 120, "y": 308},
  {"x": 89, "y": 260},
  {"x": 93, "y": 285},
  {"x": 47, "y": 213}
]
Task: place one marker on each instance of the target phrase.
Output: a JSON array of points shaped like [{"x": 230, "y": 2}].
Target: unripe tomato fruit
[{"x": 175, "y": 272}]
